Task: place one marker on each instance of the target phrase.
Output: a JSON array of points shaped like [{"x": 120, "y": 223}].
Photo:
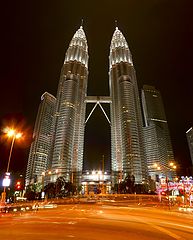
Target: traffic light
[{"x": 18, "y": 186}]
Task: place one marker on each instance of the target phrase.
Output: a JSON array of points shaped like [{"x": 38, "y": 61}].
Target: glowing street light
[
  {"x": 45, "y": 175},
  {"x": 11, "y": 133},
  {"x": 165, "y": 170}
]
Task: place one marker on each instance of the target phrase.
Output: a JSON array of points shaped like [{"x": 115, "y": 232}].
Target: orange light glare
[
  {"x": 12, "y": 133},
  {"x": 18, "y": 135}
]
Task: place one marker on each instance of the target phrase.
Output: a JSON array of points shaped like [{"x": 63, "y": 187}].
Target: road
[{"x": 91, "y": 221}]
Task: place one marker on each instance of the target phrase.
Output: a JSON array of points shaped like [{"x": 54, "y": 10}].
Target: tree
[
  {"x": 50, "y": 190},
  {"x": 127, "y": 185},
  {"x": 60, "y": 186},
  {"x": 30, "y": 193},
  {"x": 130, "y": 183},
  {"x": 70, "y": 188}
]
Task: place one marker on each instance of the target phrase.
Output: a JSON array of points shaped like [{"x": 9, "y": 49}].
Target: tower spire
[
  {"x": 78, "y": 48},
  {"x": 119, "y": 42},
  {"x": 82, "y": 22},
  {"x": 116, "y": 24}
]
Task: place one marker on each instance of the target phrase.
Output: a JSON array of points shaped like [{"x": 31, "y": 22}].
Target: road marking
[
  {"x": 161, "y": 229},
  {"x": 178, "y": 225},
  {"x": 165, "y": 231},
  {"x": 137, "y": 219}
]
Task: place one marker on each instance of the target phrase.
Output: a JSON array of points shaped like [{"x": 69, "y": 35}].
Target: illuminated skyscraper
[
  {"x": 70, "y": 110},
  {"x": 127, "y": 146},
  {"x": 42, "y": 139},
  {"x": 126, "y": 118},
  {"x": 158, "y": 146}
]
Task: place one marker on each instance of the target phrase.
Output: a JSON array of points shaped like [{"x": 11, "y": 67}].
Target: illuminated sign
[{"x": 6, "y": 181}]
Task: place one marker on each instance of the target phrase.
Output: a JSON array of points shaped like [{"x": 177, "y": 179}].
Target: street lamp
[
  {"x": 165, "y": 170},
  {"x": 45, "y": 175},
  {"x": 43, "y": 193},
  {"x": 11, "y": 133}
]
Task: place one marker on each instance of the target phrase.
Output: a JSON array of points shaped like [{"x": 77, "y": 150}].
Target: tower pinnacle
[
  {"x": 78, "y": 48},
  {"x": 116, "y": 25},
  {"x": 119, "y": 50},
  {"x": 82, "y": 21}
]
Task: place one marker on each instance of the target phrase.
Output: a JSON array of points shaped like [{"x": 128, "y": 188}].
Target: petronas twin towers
[
  {"x": 126, "y": 120},
  {"x": 59, "y": 145}
]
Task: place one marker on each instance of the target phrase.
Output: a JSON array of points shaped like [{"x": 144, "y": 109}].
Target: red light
[{"x": 18, "y": 185}]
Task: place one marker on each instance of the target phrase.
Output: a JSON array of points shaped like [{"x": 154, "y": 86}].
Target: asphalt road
[{"x": 92, "y": 221}]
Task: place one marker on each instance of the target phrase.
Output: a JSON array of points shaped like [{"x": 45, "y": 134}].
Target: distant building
[
  {"x": 189, "y": 135},
  {"x": 42, "y": 139},
  {"x": 158, "y": 148}
]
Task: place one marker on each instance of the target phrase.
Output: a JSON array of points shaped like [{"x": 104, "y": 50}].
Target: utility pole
[
  {"x": 103, "y": 164},
  {"x": 103, "y": 172}
]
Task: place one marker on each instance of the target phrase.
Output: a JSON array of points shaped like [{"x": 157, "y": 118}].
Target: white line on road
[
  {"x": 161, "y": 229},
  {"x": 178, "y": 225}
]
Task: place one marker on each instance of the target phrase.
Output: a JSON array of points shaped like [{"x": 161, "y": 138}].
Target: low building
[{"x": 95, "y": 182}]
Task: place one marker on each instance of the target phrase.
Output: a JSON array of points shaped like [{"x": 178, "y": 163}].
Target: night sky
[{"x": 35, "y": 36}]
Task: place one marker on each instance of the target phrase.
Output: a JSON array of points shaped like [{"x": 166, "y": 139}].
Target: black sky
[{"x": 35, "y": 36}]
